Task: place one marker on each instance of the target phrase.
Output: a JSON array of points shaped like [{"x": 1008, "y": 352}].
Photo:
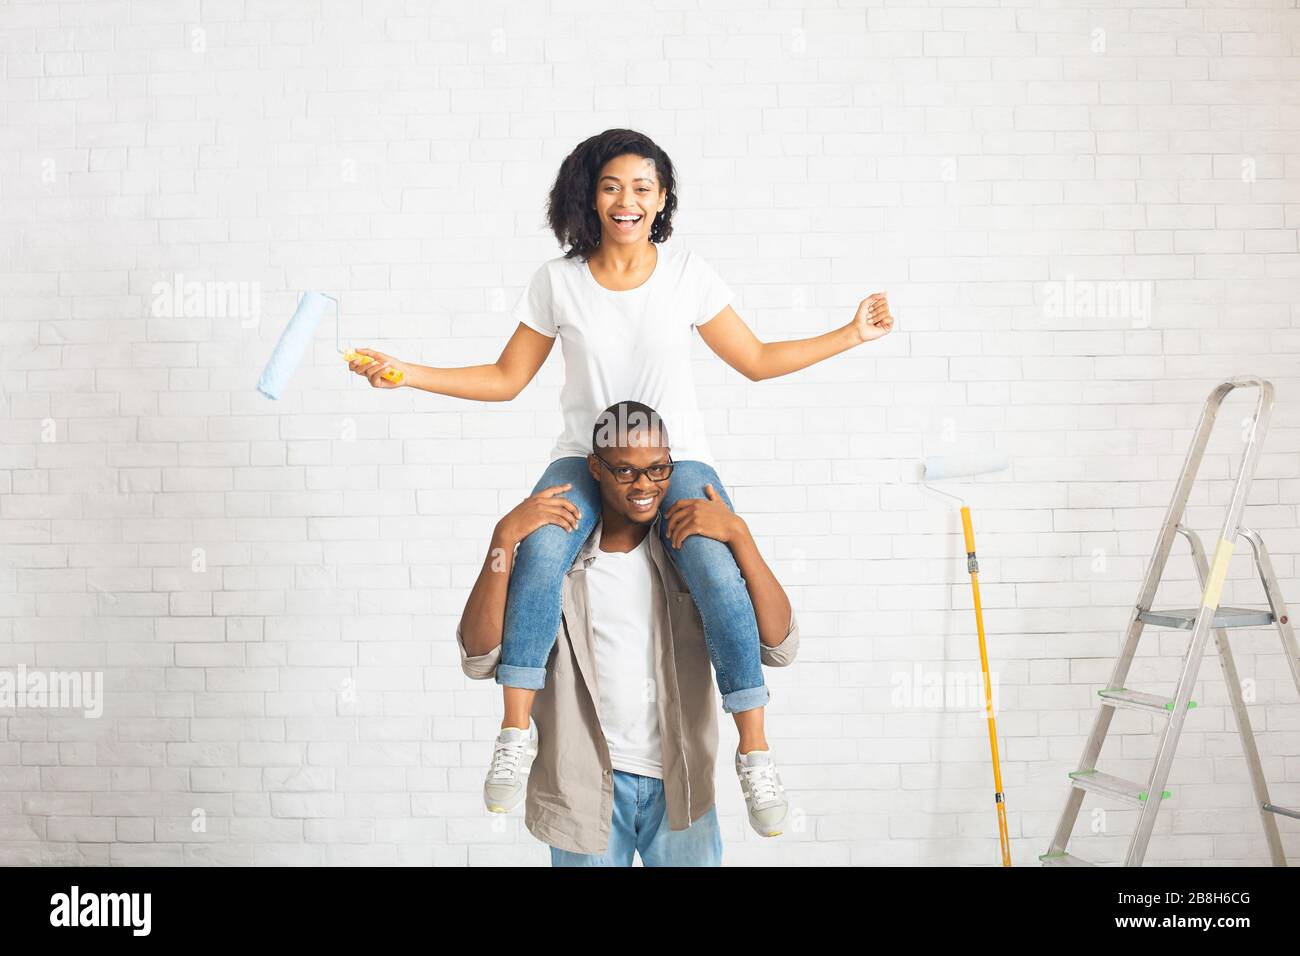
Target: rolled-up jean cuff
[
  {"x": 528, "y": 678},
  {"x": 739, "y": 700}
]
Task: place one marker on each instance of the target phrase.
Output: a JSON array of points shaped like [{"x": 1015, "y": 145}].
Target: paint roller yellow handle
[
  {"x": 393, "y": 375},
  {"x": 967, "y": 530}
]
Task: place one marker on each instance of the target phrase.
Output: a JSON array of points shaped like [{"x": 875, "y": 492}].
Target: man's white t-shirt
[
  {"x": 620, "y": 592},
  {"x": 626, "y": 345}
]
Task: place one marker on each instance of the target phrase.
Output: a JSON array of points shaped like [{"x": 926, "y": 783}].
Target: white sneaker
[
  {"x": 512, "y": 758},
  {"x": 764, "y": 792}
]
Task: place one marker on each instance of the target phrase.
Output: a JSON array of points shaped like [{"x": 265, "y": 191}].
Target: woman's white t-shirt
[{"x": 634, "y": 344}]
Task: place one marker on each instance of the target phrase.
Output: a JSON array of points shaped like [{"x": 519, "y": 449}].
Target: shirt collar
[{"x": 591, "y": 547}]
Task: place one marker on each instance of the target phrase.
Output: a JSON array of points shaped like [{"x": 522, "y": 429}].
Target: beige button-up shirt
[{"x": 571, "y": 786}]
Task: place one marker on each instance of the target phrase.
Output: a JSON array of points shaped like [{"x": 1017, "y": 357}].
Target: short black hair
[
  {"x": 615, "y": 424},
  {"x": 568, "y": 209}
]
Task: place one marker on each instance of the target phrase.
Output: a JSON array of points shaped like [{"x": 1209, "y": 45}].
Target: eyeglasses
[{"x": 626, "y": 474}]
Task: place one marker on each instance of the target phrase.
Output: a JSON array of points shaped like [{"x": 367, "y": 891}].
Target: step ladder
[{"x": 1147, "y": 795}]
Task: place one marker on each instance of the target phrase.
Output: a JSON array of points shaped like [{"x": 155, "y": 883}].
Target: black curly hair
[{"x": 568, "y": 209}]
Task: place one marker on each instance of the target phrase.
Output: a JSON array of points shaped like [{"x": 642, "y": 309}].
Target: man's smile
[{"x": 644, "y": 502}]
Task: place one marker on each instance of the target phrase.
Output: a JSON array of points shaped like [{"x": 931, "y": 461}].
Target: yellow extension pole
[{"x": 972, "y": 565}]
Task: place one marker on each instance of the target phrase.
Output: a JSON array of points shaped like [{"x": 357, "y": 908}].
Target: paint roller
[
  {"x": 298, "y": 336},
  {"x": 939, "y": 468}
]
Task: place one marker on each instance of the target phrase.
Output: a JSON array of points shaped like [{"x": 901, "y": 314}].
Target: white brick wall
[{"x": 270, "y": 589}]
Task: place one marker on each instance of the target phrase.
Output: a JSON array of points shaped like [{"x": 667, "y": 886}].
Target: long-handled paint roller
[
  {"x": 939, "y": 468},
  {"x": 297, "y": 338}
]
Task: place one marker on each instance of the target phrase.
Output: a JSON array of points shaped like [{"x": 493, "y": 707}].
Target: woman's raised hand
[{"x": 873, "y": 319}]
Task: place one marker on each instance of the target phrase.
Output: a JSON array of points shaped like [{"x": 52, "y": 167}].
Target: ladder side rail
[
  {"x": 1281, "y": 617},
  {"x": 1249, "y": 747}
]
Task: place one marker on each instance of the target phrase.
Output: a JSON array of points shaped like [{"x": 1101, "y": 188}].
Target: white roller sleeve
[
  {"x": 294, "y": 342},
  {"x": 958, "y": 466}
]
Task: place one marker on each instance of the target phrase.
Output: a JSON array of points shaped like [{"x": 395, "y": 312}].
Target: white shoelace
[
  {"x": 507, "y": 757},
  {"x": 762, "y": 783}
]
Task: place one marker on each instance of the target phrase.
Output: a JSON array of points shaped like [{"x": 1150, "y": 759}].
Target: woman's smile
[{"x": 627, "y": 222}]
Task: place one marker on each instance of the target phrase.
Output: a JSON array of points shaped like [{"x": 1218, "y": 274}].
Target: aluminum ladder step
[
  {"x": 1184, "y": 617},
  {"x": 1139, "y": 700},
  {"x": 1117, "y": 787}
]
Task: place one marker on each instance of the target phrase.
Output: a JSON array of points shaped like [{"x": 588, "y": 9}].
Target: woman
[{"x": 624, "y": 311}]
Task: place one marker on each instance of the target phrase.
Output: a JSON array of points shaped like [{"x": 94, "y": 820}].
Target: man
[{"x": 627, "y": 719}]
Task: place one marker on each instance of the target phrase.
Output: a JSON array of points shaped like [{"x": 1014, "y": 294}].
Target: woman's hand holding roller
[{"x": 374, "y": 367}]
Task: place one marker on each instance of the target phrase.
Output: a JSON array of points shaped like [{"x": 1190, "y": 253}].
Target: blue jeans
[
  {"x": 534, "y": 597},
  {"x": 640, "y": 824}
]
